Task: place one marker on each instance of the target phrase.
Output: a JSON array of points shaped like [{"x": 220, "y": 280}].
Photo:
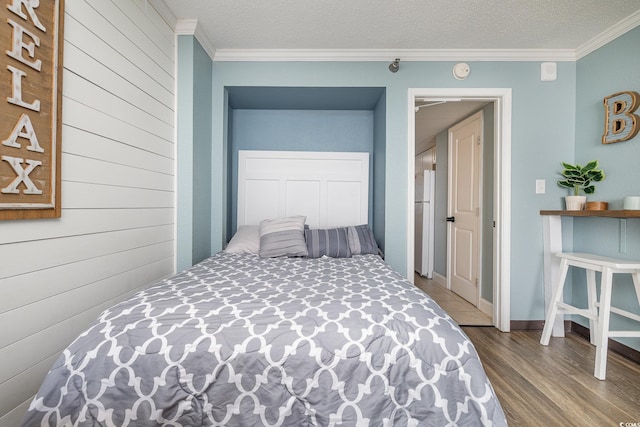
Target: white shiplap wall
[{"x": 116, "y": 233}]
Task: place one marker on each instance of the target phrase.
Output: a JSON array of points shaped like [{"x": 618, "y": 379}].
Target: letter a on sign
[{"x": 620, "y": 124}]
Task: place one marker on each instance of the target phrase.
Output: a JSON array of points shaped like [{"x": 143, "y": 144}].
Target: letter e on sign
[{"x": 31, "y": 40}]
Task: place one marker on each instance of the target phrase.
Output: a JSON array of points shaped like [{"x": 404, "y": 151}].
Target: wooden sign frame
[{"x": 31, "y": 42}]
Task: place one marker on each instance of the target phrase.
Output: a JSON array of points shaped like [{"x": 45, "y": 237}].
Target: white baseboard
[{"x": 486, "y": 307}]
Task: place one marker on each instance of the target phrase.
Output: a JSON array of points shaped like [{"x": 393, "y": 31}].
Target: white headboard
[{"x": 329, "y": 188}]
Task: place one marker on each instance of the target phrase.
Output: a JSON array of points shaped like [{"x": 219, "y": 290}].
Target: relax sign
[{"x": 30, "y": 107}]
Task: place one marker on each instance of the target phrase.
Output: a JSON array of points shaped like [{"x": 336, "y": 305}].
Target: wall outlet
[{"x": 540, "y": 186}]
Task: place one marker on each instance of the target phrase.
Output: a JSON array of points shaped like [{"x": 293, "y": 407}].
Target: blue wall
[
  {"x": 298, "y": 130},
  {"x": 551, "y": 122},
  {"x": 379, "y": 167},
  {"x": 202, "y": 155},
  {"x": 611, "y": 69},
  {"x": 193, "y": 204},
  {"x": 543, "y": 118}
]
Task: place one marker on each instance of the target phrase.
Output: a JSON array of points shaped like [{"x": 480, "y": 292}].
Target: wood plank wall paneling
[
  {"x": 89, "y": 119},
  {"x": 116, "y": 234}
]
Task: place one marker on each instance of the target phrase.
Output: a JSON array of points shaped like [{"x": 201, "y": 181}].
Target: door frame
[{"x": 501, "y": 98}]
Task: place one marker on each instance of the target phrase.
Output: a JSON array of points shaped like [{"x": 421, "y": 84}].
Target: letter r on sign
[{"x": 30, "y": 6}]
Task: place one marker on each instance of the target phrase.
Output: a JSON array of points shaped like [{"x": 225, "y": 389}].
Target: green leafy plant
[{"x": 576, "y": 177}]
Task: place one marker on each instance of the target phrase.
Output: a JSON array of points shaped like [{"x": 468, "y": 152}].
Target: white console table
[{"x": 552, "y": 230}]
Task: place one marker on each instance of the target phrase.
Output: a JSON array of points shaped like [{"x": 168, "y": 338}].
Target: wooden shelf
[{"x": 605, "y": 214}]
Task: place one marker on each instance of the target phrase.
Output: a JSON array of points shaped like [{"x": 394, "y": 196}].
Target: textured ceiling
[
  {"x": 402, "y": 24},
  {"x": 520, "y": 25}
]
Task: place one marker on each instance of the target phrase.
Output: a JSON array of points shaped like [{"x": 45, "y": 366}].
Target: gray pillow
[
  {"x": 245, "y": 241},
  {"x": 331, "y": 242},
  {"x": 282, "y": 237},
  {"x": 361, "y": 240}
]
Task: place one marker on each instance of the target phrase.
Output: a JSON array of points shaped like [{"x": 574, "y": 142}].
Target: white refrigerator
[{"x": 424, "y": 227}]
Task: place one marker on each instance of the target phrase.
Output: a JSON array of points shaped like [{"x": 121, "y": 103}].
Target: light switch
[{"x": 540, "y": 186}]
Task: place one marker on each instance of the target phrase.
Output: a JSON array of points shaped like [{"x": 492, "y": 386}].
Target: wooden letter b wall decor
[{"x": 620, "y": 124}]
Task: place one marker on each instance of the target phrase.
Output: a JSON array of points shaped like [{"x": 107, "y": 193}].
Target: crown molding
[
  {"x": 627, "y": 24},
  {"x": 390, "y": 54},
  {"x": 190, "y": 27},
  {"x": 184, "y": 27}
]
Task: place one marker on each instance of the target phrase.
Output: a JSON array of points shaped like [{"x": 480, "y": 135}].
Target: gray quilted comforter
[{"x": 242, "y": 341}]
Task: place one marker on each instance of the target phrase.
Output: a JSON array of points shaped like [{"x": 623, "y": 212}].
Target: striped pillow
[
  {"x": 361, "y": 240},
  {"x": 330, "y": 242},
  {"x": 282, "y": 237}
]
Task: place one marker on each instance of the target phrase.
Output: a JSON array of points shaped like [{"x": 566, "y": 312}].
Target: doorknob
[{"x": 451, "y": 219}]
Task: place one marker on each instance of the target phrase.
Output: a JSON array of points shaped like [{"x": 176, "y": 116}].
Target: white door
[{"x": 463, "y": 210}]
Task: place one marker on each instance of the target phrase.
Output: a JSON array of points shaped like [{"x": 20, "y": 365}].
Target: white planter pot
[{"x": 575, "y": 203}]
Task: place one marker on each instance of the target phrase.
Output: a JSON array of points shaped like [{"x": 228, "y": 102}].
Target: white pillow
[{"x": 245, "y": 241}]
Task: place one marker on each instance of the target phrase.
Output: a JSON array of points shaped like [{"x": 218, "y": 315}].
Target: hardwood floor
[
  {"x": 463, "y": 312},
  {"x": 546, "y": 386},
  {"x": 554, "y": 385}
]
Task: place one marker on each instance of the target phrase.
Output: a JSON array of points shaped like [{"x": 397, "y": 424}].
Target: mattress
[{"x": 239, "y": 340}]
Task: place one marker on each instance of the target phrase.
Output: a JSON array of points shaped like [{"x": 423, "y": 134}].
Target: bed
[{"x": 289, "y": 325}]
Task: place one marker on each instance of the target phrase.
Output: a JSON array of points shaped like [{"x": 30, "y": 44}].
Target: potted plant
[{"x": 579, "y": 178}]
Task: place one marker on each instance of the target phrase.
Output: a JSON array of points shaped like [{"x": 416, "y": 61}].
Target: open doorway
[{"x": 500, "y": 99}]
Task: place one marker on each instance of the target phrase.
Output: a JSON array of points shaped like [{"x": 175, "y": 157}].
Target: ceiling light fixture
[{"x": 395, "y": 66}]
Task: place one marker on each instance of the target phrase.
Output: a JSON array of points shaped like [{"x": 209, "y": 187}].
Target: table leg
[
  {"x": 552, "y": 231},
  {"x": 602, "y": 337}
]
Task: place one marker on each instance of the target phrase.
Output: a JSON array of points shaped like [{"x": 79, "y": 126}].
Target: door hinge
[
  {"x": 476, "y": 282},
  {"x": 478, "y": 142}
]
